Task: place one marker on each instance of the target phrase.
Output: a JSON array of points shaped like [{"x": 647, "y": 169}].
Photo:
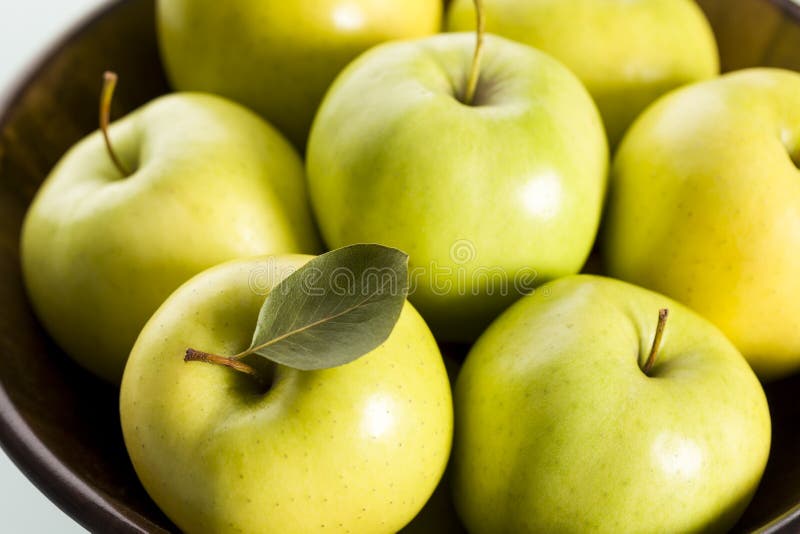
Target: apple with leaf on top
[
  {"x": 338, "y": 416},
  {"x": 139, "y": 207}
]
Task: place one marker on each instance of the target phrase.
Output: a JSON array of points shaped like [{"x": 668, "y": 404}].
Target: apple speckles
[{"x": 386, "y": 401}]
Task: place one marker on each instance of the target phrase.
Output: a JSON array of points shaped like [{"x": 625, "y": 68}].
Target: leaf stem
[
  {"x": 475, "y": 70},
  {"x": 651, "y": 359},
  {"x": 106, "y": 96},
  {"x": 193, "y": 355}
]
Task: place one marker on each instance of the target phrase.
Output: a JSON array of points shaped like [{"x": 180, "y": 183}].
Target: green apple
[
  {"x": 564, "y": 424},
  {"x": 487, "y": 198},
  {"x": 210, "y": 181},
  {"x": 355, "y": 448},
  {"x": 627, "y": 53},
  {"x": 279, "y": 57},
  {"x": 705, "y": 208}
]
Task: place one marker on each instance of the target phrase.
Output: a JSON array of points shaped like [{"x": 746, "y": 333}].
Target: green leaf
[{"x": 336, "y": 308}]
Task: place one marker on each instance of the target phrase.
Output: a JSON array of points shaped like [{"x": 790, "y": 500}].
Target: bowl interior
[{"x": 61, "y": 425}]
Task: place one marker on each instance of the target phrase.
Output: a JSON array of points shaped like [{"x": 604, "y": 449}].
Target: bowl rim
[
  {"x": 790, "y": 7},
  {"x": 59, "y": 483}
]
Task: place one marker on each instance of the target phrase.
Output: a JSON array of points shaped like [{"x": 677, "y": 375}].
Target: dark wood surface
[{"x": 61, "y": 425}]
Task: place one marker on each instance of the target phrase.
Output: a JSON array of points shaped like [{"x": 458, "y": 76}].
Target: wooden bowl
[{"x": 61, "y": 425}]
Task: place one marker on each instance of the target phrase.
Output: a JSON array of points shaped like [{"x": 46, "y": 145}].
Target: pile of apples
[{"x": 494, "y": 159}]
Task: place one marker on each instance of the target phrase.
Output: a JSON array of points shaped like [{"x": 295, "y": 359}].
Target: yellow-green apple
[
  {"x": 627, "y": 53},
  {"x": 357, "y": 448},
  {"x": 488, "y": 197},
  {"x": 207, "y": 181},
  {"x": 705, "y": 208},
  {"x": 279, "y": 57},
  {"x": 584, "y": 409}
]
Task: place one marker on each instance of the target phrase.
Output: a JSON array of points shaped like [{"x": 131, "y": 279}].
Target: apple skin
[
  {"x": 100, "y": 252},
  {"x": 705, "y": 208},
  {"x": 356, "y": 448},
  {"x": 279, "y": 57},
  {"x": 559, "y": 430},
  {"x": 509, "y": 188},
  {"x": 627, "y": 53}
]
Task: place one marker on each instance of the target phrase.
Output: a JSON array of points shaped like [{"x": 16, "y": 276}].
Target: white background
[{"x": 27, "y": 28}]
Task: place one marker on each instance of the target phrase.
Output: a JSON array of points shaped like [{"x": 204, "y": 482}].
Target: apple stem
[
  {"x": 193, "y": 355},
  {"x": 106, "y": 95},
  {"x": 475, "y": 70},
  {"x": 651, "y": 359}
]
